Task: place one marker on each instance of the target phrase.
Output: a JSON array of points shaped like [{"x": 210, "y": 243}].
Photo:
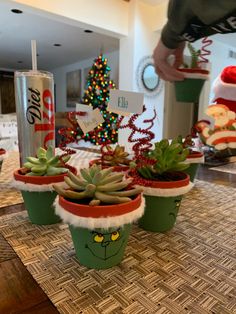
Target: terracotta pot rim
[
  {"x": 115, "y": 168},
  {"x": 195, "y": 154},
  {"x": 165, "y": 184},
  {"x": 82, "y": 210},
  {"x": 193, "y": 70},
  {"x": 39, "y": 180}
]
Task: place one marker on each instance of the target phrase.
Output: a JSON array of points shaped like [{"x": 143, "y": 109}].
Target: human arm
[
  {"x": 170, "y": 43},
  {"x": 189, "y": 21}
]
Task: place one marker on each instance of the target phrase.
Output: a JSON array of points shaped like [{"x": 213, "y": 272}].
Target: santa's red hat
[{"x": 224, "y": 88}]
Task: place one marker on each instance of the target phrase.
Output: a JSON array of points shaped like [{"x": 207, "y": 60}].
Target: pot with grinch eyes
[
  {"x": 99, "y": 207},
  {"x": 99, "y": 233},
  {"x": 162, "y": 200}
]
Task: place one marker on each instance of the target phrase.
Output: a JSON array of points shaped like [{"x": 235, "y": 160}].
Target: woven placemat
[{"x": 190, "y": 269}]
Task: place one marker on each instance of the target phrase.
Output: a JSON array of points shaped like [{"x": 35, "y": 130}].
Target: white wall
[
  {"x": 140, "y": 43},
  {"x": 60, "y": 77},
  {"x": 147, "y": 40}
]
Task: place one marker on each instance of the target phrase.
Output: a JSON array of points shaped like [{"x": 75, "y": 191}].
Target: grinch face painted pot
[
  {"x": 99, "y": 248},
  {"x": 100, "y": 233},
  {"x": 162, "y": 202},
  {"x": 160, "y": 213}
]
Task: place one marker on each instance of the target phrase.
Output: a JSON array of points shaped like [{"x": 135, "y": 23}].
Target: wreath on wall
[{"x": 147, "y": 80}]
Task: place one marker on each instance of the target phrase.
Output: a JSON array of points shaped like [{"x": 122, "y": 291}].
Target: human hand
[{"x": 163, "y": 68}]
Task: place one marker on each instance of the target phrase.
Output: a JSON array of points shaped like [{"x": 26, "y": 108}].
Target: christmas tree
[{"x": 97, "y": 96}]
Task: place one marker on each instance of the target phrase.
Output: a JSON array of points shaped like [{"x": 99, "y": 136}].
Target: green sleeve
[{"x": 182, "y": 12}]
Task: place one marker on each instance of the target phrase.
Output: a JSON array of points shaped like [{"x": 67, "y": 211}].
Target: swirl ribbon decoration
[
  {"x": 205, "y": 52},
  {"x": 142, "y": 144},
  {"x": 69, "y": 134}
]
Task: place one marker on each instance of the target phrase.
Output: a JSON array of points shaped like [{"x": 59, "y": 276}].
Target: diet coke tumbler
[{"x": 34, "y": 95}]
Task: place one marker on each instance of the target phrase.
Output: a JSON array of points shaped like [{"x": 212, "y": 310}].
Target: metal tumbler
[{"x": 34, "y": 95}]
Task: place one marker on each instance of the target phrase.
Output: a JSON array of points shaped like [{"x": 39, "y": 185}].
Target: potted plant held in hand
[
  {"x": 116, "y": 158},
  {"x": 190, "y": 88},
  {"x": 164, "y": 183},
  {"x": 35, "y": 181},
  {"x": 99, "y": 208}
]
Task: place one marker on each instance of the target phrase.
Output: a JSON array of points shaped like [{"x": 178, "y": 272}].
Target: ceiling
[{"x": 17, "y": 30}]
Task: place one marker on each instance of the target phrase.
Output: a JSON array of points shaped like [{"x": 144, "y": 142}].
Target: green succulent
[
  {"x": 46, "y": 163},
  {"x": 166, "y": 157},
  {"x": 98, "y": 185},
  {"x": 194, "y": 57},
  {"x": 116, "y": 156}
]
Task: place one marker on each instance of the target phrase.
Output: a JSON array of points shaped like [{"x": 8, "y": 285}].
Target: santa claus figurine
[
  {"x": 224, "y": 118},
  {"x": 223, "y": 135},
  {"x": 224, "y": 88}
]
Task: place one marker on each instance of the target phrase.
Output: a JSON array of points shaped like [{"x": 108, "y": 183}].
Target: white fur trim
[
  {"x": 165, "y": 192},
  {"x": 196, "y": 76},
  {"x": 105, "y": 222},
  {"x": 3, "y": 156},
  {"x": 19, "y": 185},
  {"x": 223, "y": 90}
]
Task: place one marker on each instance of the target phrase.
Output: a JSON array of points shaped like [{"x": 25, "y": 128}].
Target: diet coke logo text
[{"x": 42, "y": 117}]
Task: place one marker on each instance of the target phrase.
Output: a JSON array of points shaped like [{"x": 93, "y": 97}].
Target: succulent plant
[
  {"x": 194, "y": 61},
  {"x": 117, "y": 156},
  {"x": 98, "y": 185},
  {"x": 164, "y": 158},
  {"x": 46, "y": 163}
]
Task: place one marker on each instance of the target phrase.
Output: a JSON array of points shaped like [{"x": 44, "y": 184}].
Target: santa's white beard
[{"x": 221, "y": 121}]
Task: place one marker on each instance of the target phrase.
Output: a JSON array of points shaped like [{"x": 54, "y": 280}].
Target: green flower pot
[
  {"x": 194, "y": 159},
  {"x": 188, "y": 90},
  {"x": 99, "y": 233},
  {"x": 160, "y": 213},
  {"x": 162, "y": 201},
  {"x": 99, "y": 248},
  {"x": 192, "y": 171},
  {"x": 39, "y": 207},
  {"x": 38, "y": 196}
]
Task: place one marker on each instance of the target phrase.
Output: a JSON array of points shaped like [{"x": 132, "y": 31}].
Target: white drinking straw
[{"x": 34, "y": 55}]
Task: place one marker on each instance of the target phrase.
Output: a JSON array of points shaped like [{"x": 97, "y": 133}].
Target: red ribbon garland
[
  {"x": 143, "y": 144},
  {"x": 205, "y": 52},
  {"x": 67, "y": 133}
]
